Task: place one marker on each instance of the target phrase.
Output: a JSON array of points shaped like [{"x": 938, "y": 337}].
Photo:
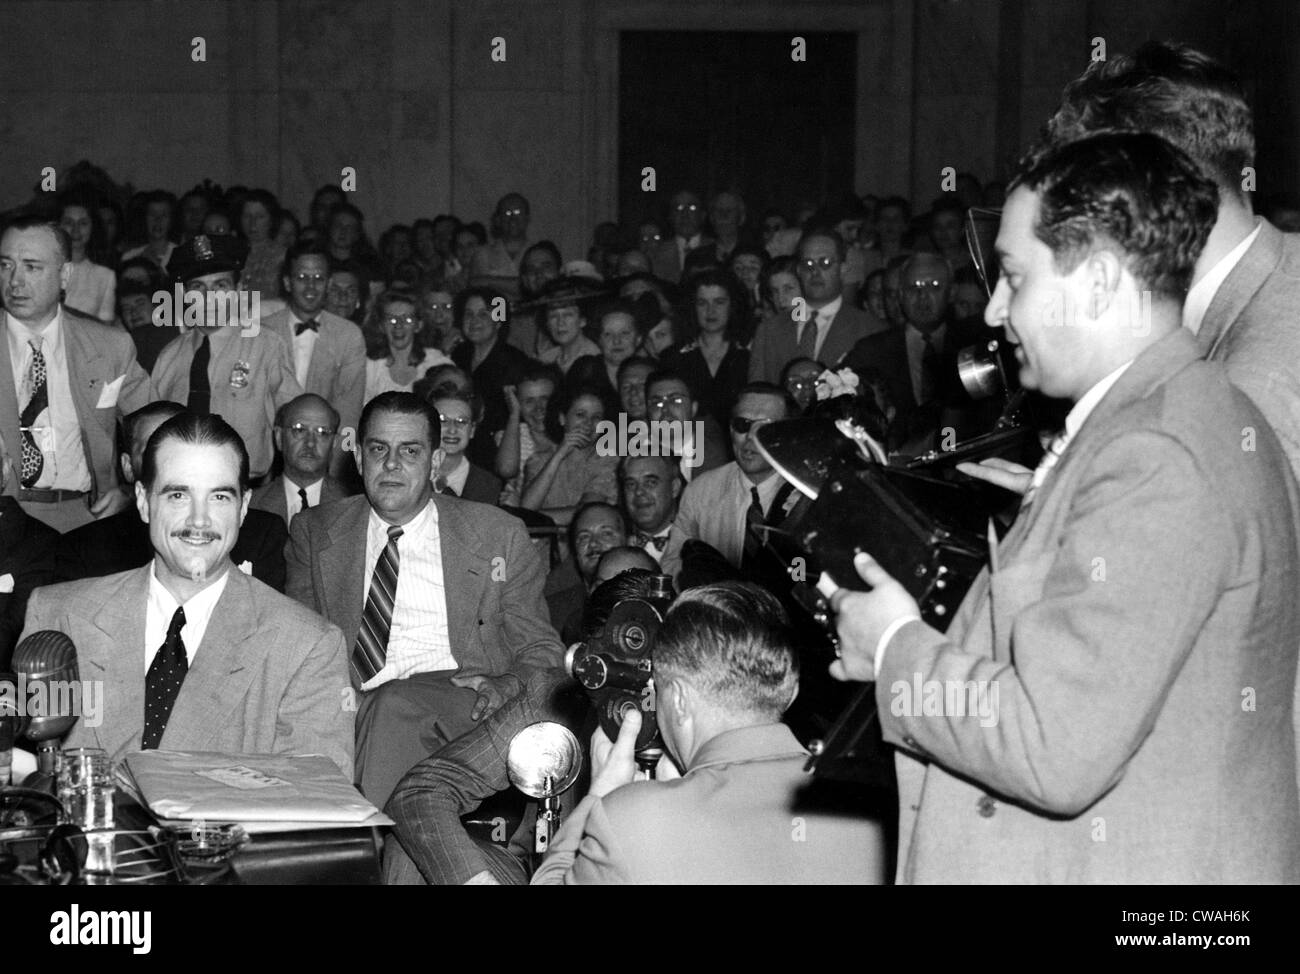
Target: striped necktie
[
  {"x": 377, "y": 620},
  {"x": 1045, "y": 465}
]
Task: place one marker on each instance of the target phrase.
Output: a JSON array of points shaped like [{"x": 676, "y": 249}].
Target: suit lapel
[
  {"x": 224, "y": 666},
  {"x": 1239, "y": 287},
  {"x": 343, "y": 569},
  {"x": 466, "y": 568},
  {"x": 113, "y": 653},
  {"x": 8, "y": 401}
]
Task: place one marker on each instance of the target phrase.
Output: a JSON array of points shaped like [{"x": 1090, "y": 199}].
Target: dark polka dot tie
[
  {"x": 33, "y": 459},
  {"x": 163, "y": 682}
]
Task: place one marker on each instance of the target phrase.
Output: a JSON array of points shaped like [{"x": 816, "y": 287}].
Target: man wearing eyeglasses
[
  {"x": 686, "y": 217},
  {"x": 225, "y": 367},
  {"x": 701, "y": 443},
  {"x": 725, "y": 507},
  {"x": 305, "y": 433},
  {"x": 329, "y": 354},
  {"x": 821, "y": 326}
]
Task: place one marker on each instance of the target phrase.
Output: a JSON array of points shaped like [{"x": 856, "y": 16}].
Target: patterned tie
[
  {"x": 808, "y": 336},
  {"x": 33, "y": 459},
  {"x": 1045, "y": 465},
  {"x": 302, "y": 494},
  {"x": 200, "y": 400},
  {"x": 163, "y": 682},
  {"x": 372, "y": 641},
  {"x": 302, "y": 326}
]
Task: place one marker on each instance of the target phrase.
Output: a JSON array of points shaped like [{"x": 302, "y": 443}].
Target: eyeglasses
[
  {"x": 793, "y": 384},
  {"x": 438, "y": 306},
  {"x": 686, "y": 208},
  {"x": 741, "y": 426},
  {"x": 515, "y": 212},
  {"x": 825, "y": 263},
  {"x": 309, "y": 278},
  {"x": 403, "y": 320},
  {"x": 298, "y": 431},
  {"x": 676, "y": 399},
  {"x": 460, "y": 422},
  {"x": 925, "y": 285}
]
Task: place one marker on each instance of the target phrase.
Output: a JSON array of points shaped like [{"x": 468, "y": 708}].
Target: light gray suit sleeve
[
  {"x": 1092, "y": 652},
  {"x": 298, "y": 561},
  {"x": 584, "y": 851}
]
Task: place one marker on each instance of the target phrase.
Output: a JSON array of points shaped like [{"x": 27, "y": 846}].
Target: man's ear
[
  {"x": 439, "y": 455},
  {"x": 275, "y": 438},
  {"x": 243, "y": 506},
  {"x": 142, "y": 501},
  {"x": 1103, "y": 272},
  {"x": 677, "y": 485},
  {"x": 124, "y": 464}
]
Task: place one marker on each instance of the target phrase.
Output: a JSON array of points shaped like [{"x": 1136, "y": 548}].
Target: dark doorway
[{"x": 731, "y": 110}]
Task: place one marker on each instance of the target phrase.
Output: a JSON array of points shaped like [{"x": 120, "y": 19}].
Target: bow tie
[
  {"x": 644, "y": 540},
  {"x": 301, "y": 326}
]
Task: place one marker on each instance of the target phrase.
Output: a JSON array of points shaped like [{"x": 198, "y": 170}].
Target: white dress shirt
[
  {"x": 292, "y": 500},
  {"x": 162, "y": 606},
  {"x": 1201, "y": 294},
  {"x": 715, "y": 506},
  {"x": 303, "y": 346},
  {"x": 419, "y": 640},
  {"x": 685, "y": 246},
  {"x": 825, "y": 317},
  {"x": 58, "y": 430}
]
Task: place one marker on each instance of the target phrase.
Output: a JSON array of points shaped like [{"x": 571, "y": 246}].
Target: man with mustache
[{"x": 194, "y": 654}]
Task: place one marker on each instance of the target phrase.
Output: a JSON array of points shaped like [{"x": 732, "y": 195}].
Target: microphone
[
  {"x": 48, "y": 660},
  {"x": 10, "y": 724}
]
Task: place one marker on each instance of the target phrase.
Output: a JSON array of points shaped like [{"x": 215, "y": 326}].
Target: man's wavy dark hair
[
  {"x": 1131, "y": 190},
  {"x": 1172, "y": 90}
]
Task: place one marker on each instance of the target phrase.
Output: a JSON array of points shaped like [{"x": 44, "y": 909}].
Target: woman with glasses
[
  {"x": 715, "y": 362},
  {"x": 396, "y": 358},
  {"x": 572, "y": 471},
  {"x": 483, "y": 316},
  {"x": 457, "y": 476}
]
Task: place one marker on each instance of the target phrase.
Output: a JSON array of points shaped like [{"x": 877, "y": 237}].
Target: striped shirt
[{"x": 419, "y": 640}]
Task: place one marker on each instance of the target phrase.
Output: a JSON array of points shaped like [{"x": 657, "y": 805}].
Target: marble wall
[{"x": 407, "y": 91}]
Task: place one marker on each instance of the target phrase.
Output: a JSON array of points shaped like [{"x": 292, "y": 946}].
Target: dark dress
[
  {"x": 504, "y": 366},
  {"x": 716, "y": 394}
]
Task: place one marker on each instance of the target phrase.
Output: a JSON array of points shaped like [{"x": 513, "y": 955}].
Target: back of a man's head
[
  {"x": 1131, "y": 191},
  {"x": 1172, "y": 91},
  {"x": 731, "y": 642}
]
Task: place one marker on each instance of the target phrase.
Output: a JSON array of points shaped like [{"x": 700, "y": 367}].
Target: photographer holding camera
[{"x": 744, "y": 811}]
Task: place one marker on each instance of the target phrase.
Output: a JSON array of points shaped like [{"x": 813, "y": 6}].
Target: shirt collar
[
  {"x": 51, "y": 337},
  {"x": 198, "y": 609},
  {"x": 830, "y": 309},
  {"x": 1084, "y": 407},
  {"x": 417, "y": 526},
  {"x": 1201, "y": 294},
  {"x": 762, "y": 741}
]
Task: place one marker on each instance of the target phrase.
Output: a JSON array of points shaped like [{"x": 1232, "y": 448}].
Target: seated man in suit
[
  {"x": 669, "y": 400},
  {"x": 440, "y": 598},
  {"x": 720, "y": 507},
  {"x": 1136, "y": 633},
  {"x": 918, "y": 363},
  {"x": 430, "y": 843},
  {"x": 65, "y": 380},
  {"x": 458, "y": 477},
  {"x": 329, "y": 352},
  {"x": 822, "y": 326},
  {"x": 226, "y": 367},
  {"x": 306, "y": 429},
  {"x": 115, "y": 544},
  {"x": 732, "y": 803},
  {"x": 686, "y": 217},
  {"x": 27, "y": 549},
  {"x": 194, "y": 654}
]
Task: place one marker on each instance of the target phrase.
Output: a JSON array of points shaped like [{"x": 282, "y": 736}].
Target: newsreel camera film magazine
[{"x": 661, "y": 443}]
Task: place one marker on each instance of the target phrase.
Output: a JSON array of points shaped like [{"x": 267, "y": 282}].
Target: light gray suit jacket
[
  {"x": 775, "y": 342},
  {"x": 496, "y": 616},
  {"x": 1141, "y": 636},
  {"x": 745, "y": 813},
  {"x": 337, "y": 372},
  {"x": 268, "y": 678},
  {"x": 98, "y": 356},
  {"x": 1252, "y": 326}
]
